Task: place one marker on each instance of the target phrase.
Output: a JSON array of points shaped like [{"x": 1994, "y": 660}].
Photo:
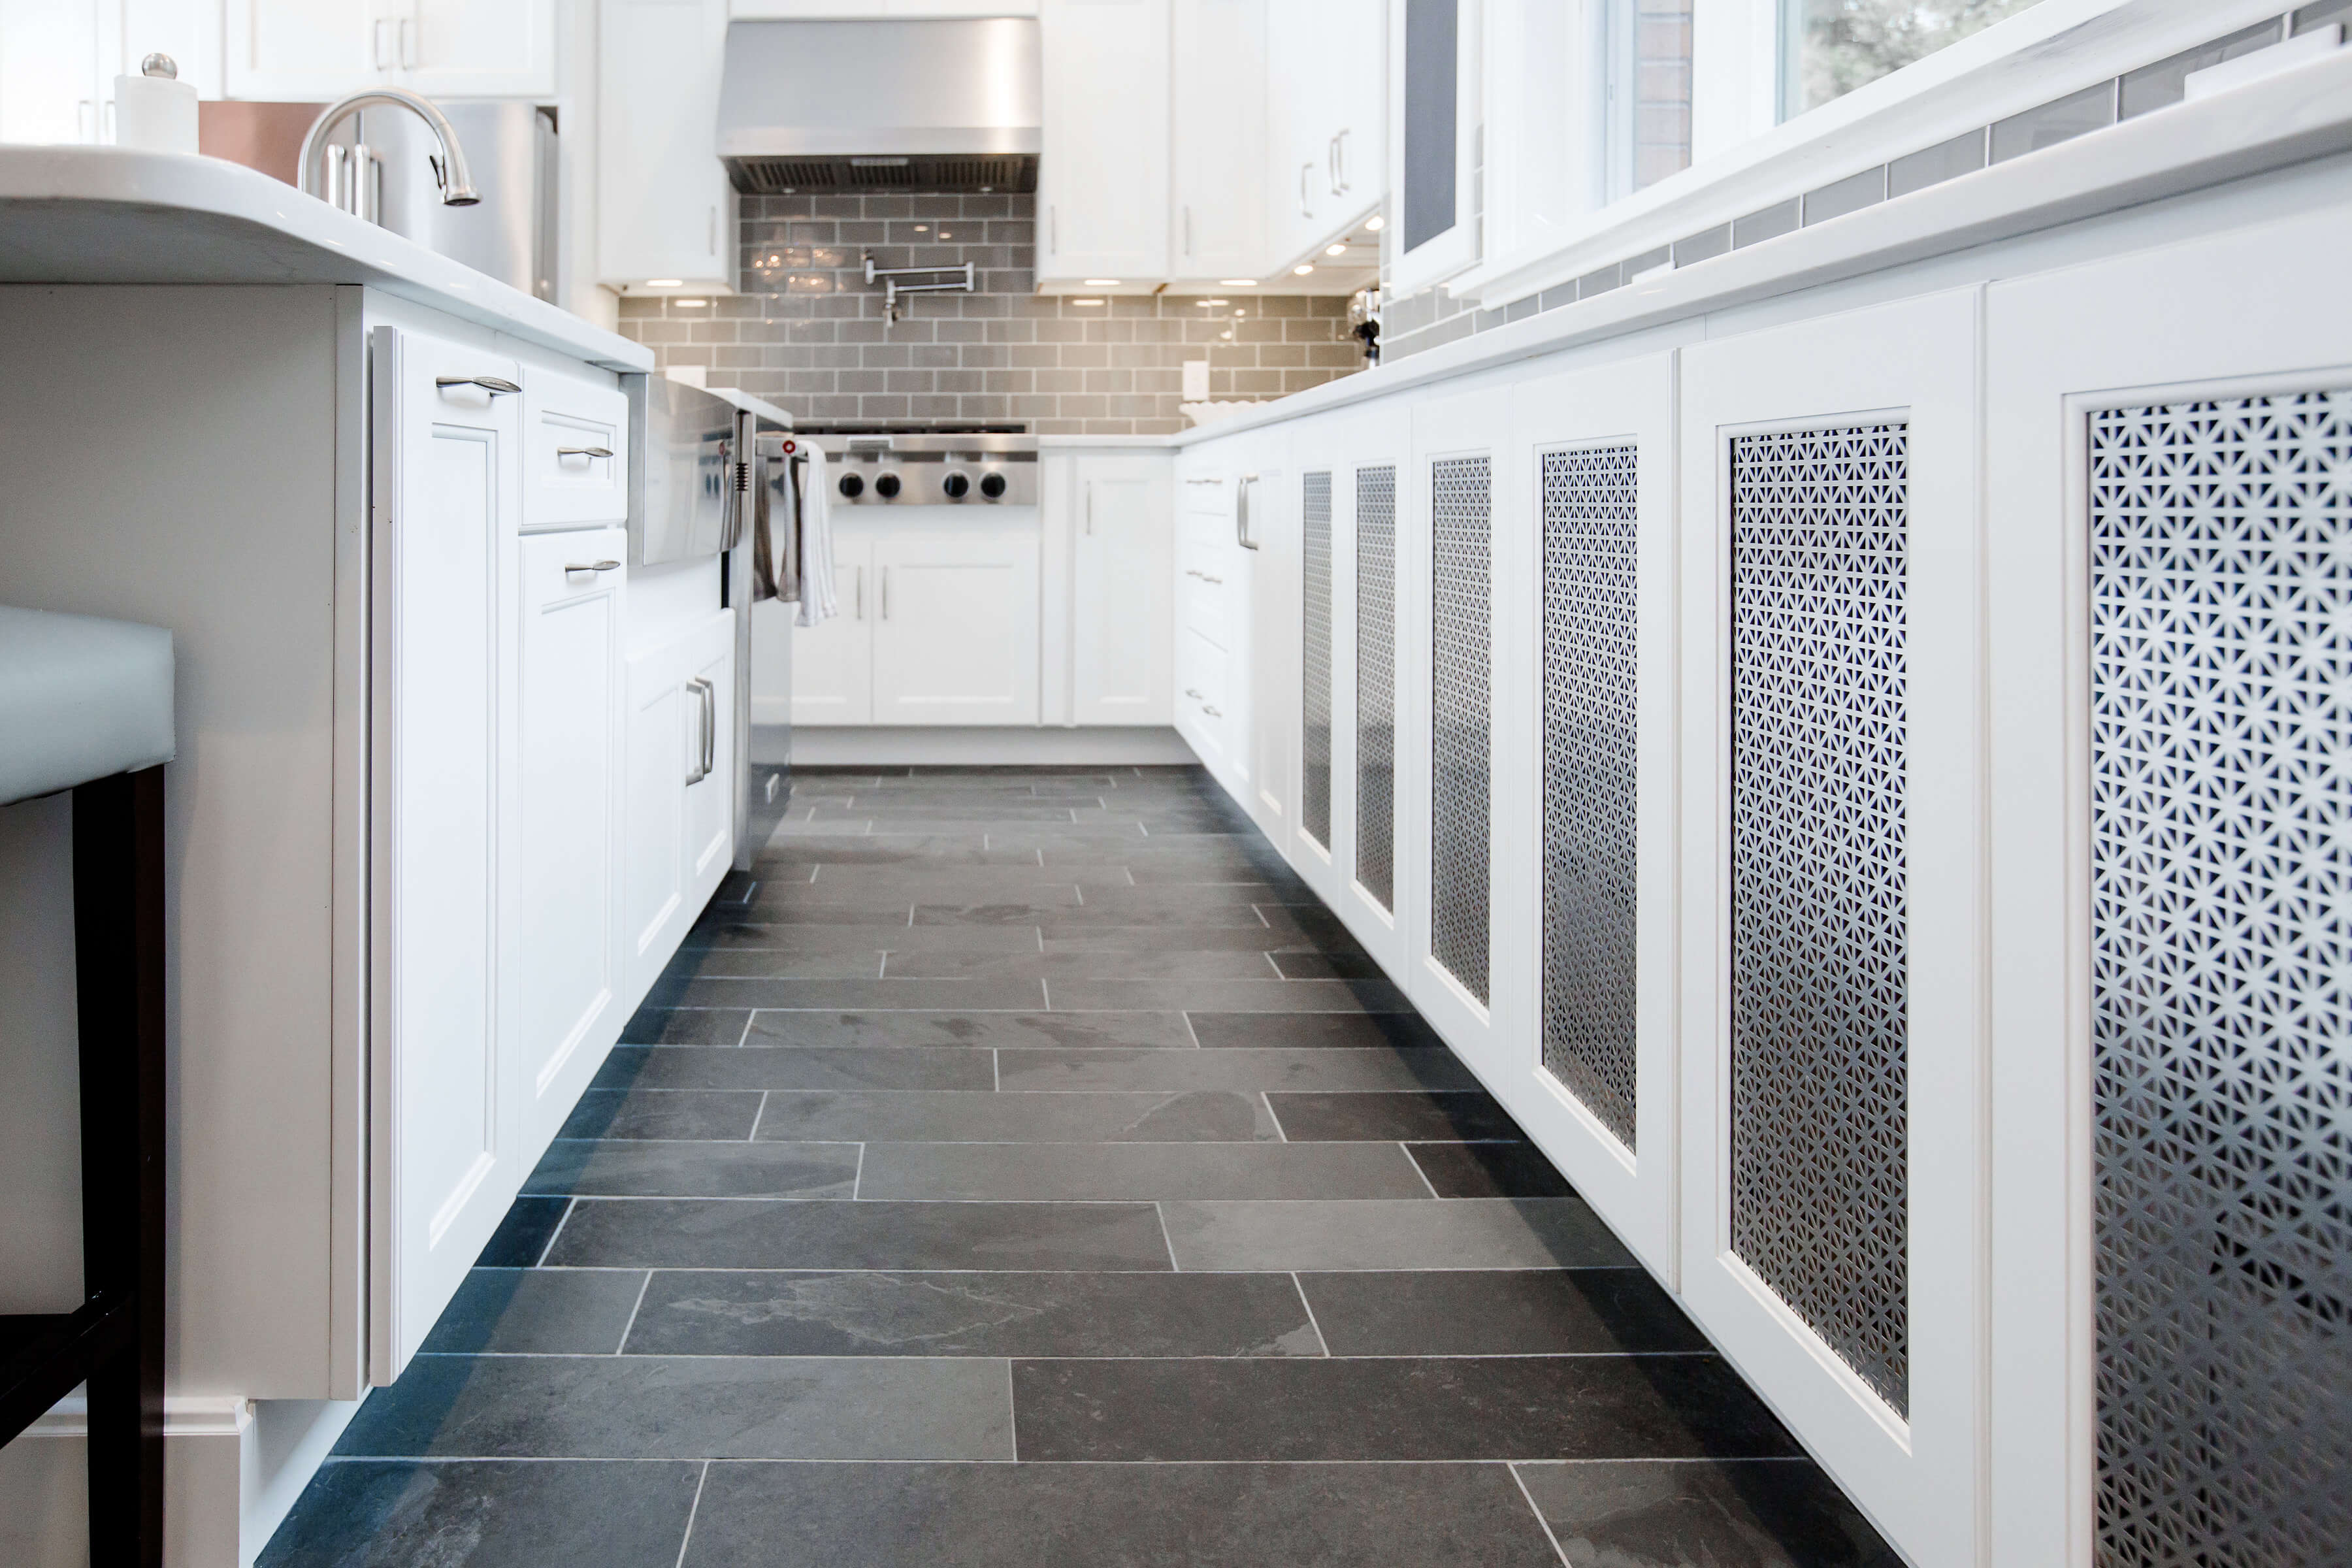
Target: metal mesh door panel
[
  {"x": 1376, "y": 683},
  {"x": 1589, "y": 776},
  {"x": 1819, "y": 959},
  {"x": 1315, "y": 653},
  {"x": 1460, "y": 716},
  {"x": 2221, "y": 978}
]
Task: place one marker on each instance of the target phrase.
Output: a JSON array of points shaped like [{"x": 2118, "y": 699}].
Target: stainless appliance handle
[
  {"x": 496, "y": 385},
  {"x": 885, "y": 593},
  {"x": 708, "y": 717}
]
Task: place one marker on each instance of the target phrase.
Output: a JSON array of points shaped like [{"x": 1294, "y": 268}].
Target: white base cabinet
[
  {"x": 1108, "y": 629},
  {"x": 678, "y": 820}
]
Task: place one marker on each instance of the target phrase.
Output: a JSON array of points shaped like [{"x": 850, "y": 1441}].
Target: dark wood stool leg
[{"x": 118, "y": 834}]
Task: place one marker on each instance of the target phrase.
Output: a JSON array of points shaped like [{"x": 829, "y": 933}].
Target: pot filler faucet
[{"x": 336, "y": 176}]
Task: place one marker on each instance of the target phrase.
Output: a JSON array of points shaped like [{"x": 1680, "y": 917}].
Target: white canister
[{"x": 154, "y": 111}]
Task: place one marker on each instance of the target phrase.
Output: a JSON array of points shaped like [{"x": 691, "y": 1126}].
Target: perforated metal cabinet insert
[
  {"x": 1376, "y": 683},
  {"x": 1591, "y": 688},
  {"x": 2221, "y": 626},
  {"x": 1460, "y": 716},
  {"x": 1819, "y": 959},
  {"x": 1315, "y": 655}
]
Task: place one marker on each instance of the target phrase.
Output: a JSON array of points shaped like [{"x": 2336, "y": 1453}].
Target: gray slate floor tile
[
  {"x": 750, "y": 936},
  {"x": 1247, "y": 1072},
  {"x": 689, "y": 1233},
  {"x": 1489, "y": 1171},
  {"x": 1509, "y": 1408},
  {"x": 686, "y": 1026},
  {"x": 400, "y": 1513},
  {"x": 816, "y": 1066},
  {"x": 602, "y": 1168},
  {"x": 950, "y": 1116},
  {"x": 858, "y": 996},
  {"x": 1565, "y": 1311},
  {"x": 741, "y": 963},
  {"x": 1180, "y": 963},
  {"x": 1037, "y": 1030},
  {"x": 1147, "y": 1171},
  {"x": 1455, "y": 1116},
  {"x": 686, "y": 1407},
  {"x": 1725, "y": 1513},
  {"x": 1115, "y": 1516},
  {"x": 1473, "y": 1233},
  {"x": 1344, "y": 1030},
  {"x": 538, "y": 1311},
  {"x": 1237, "y": 938},
  {"x": 682, "y": 1114},
  {"x": 943, "y": 851},
  {"x": 1230, "y": 995},
  {"x": 1003, "y": 1314},
  {"x": 523, "y": 1234},
  {"x": 1298, "y": 964}
]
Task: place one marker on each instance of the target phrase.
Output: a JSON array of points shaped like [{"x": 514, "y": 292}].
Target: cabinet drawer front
[
  {"x": 577, "y": 463},
  {"x": 1205, "y": 495},
  {"x": 1201, "y": 681},
  {"x": 1202, "y": 593},
  {"x": 573, "y": 563}
]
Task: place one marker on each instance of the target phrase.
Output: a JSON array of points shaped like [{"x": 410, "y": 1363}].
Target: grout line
[
  {"x": 1045, "y": 993},
  {"x": 1541, "y": 1521},
  {"x": 569, "y": 1206},
  {"x": 1261, "y": 917},
  {"x": 687, "y": 1539},
  {"x": 1190, "y": 1030},
  {"x": 1012, "y": 1413},
  {"x": 996, "y": 1066},
  {"x": 749, "y": 1014},
  {"x": 813, "y": 870},
  {"x": 1268, "y": 1102},
  {"x": 756, "y": 1116},
  {"x": 1311, "y": 1323},
  {"x": 858, "y": 1179},
  {"x": 1417, "y": 1170},
  {"x": 1270, "y": 963},
  {"x": 1160, "y": 1214},
  {"x": 633, "y": 1311}
]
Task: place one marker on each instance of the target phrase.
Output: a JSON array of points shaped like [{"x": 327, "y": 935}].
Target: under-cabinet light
[
  {"x": 1236, "y": 282},
  {"x": 1375, "y": 223},
  {"x": 1086, "y": 302},
  {"x": 1339, "y": 249},
  {"x": 690, "y": 304},
  {"x": 664, "y": 282},
  {"x": 1102, "y": 282},
  {"x": 1303, "y": 268}
]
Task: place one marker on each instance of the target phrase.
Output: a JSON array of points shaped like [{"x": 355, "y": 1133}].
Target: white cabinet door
[
  {"x": 477, "y": 48},
  {"x": 665, "y": 209},
  {"x": 560, "y": 928},
  {"x": 833, "y": 662},
  {"x": 1219, "y": 87},
  {"x": 448, "y": 496},
  {"x": 1102, "y": 197},
  {"x": 1354, "y": 100},
  {"x": 1299, "y": 201},
  {"x": 51, "y": 81},
  {"x": 307, "y": 48},
  {"x": 678, "y": 828},
  {"x": 955, "y": 629},
  {"x": 1120, "y": 614}
]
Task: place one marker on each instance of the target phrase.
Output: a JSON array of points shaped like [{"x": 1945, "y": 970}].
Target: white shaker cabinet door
[
  {"x": 1218, "y": 86},
  {"x": 477, "y": 48},
  {"x": 678, "y": 828},
  {"x": 298, "y": 49},
  {"x": 833, "y": 661},
  {"x": 1120, "y": 617},
  {"x": 561, "y": 950},
  {"x": 955, "y": 629},
  {"x": 664, "y": 207},
  {"x": 448, "y": 493},
  {"x": 1102, "y": 194}
]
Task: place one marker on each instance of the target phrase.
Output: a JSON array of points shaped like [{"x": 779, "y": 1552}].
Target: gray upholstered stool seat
[{"x": 80, "y": 699}]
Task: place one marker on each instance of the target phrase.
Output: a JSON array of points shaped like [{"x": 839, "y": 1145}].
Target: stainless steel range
[{"x": 929, "y": 467}]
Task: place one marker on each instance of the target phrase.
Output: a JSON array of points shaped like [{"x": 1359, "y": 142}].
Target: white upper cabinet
[
  {"x": 443, "y": 48},
  {"x": 664, "y": 207},
  {"x": 1217, "y": 225},
  {"x": 1103, "y": 186},
  {"x": 1325, "y": 140}
]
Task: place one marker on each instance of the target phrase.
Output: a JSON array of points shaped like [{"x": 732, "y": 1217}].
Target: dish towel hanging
[{"x": 817, "y": 602}]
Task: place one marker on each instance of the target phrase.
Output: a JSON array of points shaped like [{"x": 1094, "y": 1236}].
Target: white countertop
[{"x": 109, "y": 215}]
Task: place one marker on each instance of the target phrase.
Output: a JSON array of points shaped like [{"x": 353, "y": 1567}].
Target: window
[
  {"x": 1828, "y": 48},
  {"x": 1649, "y": 76}
]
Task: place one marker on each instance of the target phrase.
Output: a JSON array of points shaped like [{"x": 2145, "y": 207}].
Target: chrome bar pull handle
[
  {"x": 583, "y": 451},
  {"x": 496, "y": 385}
]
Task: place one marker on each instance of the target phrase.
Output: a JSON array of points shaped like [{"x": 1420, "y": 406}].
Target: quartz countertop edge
[{"x": 112, "y": 215}]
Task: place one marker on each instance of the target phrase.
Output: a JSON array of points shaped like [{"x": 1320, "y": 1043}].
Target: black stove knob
[
  {"x": 886, "y": 486},
  {"x": 957, "y": 486},
  {"x": 852, "y": 486},
  {"x": 992, "y": 486}
]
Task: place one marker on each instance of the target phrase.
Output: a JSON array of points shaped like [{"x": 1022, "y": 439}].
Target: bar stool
[{"x": 86, "y": 705}]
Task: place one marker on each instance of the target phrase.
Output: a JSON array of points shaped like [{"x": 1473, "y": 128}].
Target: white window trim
[{"x": 1743, "y": 162}]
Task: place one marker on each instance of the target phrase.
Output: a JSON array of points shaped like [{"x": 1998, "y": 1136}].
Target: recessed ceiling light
[
  {"x": 1227, "y": 334},
  {"x": 1375, "y": 223},
  {"x": 1207, "y": 303},
  {"x": 1303, "y": 268},
  {"x": 1086, "y": 302},
  {"x": 690, "y": 304},
  {"x": 1102, "y": 282},
  {"x": 1236, "y": 282},
  {"x": 1339, "y": 249},
  {"x": 664, "y": 282}
]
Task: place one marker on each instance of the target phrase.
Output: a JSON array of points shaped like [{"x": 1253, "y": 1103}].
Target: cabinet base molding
[{"x": 909, "y": 745}]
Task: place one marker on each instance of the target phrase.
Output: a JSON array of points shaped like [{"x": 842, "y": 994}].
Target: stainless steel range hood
[{"x": 814, "y": 107}]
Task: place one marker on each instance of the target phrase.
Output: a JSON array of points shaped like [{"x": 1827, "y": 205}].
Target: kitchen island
[{"x": 422, "y": 802}]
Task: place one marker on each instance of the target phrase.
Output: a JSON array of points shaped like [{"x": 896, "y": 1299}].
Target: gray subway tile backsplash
[
  {"x": 2061, "y": 120},
  {"x": 1963, "y": 155},
  {"x": 807, "y": 331}
]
